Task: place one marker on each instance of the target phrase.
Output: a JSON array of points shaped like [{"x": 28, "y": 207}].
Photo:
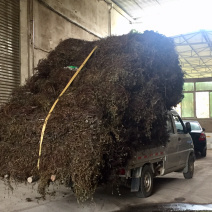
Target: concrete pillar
[{"x": 26, "y": 39}]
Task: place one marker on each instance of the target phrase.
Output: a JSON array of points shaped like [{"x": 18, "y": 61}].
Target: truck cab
[{"x": 176, "y": 156}]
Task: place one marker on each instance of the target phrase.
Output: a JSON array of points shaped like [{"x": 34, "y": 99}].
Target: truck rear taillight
[{"x": 202, "y": 137}]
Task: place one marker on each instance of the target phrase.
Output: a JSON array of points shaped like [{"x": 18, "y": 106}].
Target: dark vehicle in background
[{"x": 199, "y": 137}]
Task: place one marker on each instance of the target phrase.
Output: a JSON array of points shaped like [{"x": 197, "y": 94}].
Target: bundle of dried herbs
[{"x": 117, "y": 104}]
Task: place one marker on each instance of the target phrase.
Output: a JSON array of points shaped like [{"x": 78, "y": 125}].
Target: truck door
[
  {"x": 184, "y": 141},
  {"x": 172, "y": 156}
]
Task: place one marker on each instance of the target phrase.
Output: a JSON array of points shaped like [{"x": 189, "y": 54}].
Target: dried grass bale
[{"x": 117, "y": 104}]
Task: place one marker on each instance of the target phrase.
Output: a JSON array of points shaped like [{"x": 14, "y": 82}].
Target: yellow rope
[{"x": 53, "y": 106}]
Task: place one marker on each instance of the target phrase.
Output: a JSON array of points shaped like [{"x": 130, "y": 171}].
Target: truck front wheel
[
  {"x": 190, "y": 172},
  {"x": 146, "y": 182}
]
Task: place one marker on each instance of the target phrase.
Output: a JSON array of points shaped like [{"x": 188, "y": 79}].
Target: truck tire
[
  {"x": 146, "y": 182},
  {"x": 204, "y": 152},
  {"x": 190, "y": 172}
]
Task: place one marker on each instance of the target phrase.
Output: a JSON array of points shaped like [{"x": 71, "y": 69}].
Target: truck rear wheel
[
  {"x": 146, "y": 182},
  {"x": 190, "y": 172}
]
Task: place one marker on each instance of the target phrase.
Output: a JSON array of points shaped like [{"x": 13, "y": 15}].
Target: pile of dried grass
[{"x": 117, "y": 103}]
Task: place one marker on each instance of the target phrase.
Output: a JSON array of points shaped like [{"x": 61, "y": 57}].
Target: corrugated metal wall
[{"x": 9, "y": 47}]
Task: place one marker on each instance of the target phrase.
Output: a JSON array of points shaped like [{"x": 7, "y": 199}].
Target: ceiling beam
[
  {"x": 185, "y": 44},
  {"x": 188, "y": 63},
  {"x": 207, "y": 39},
  {"x": 196, "y": 57},
  {"x": 195, "y": 52}
]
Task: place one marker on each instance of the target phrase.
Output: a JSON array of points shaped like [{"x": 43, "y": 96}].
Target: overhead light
[{"x": 177, "y": 17}]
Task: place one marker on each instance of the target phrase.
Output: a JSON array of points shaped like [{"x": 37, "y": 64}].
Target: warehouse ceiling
[
  {"x": 194, "y": 51},
  {"x": 137, "y": 9},
  {"x": 194, "y": 48}
]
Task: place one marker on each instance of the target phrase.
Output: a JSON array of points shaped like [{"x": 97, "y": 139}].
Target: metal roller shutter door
[{"x": 9, "y": 47}]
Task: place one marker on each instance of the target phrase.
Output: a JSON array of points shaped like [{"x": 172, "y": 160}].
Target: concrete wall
[
  {"x": 119, "y": 25},
  {"x": 44, "y": 23}
]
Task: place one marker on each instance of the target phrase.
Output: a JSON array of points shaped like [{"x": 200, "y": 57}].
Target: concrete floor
[{"x": 172, "y": 188}]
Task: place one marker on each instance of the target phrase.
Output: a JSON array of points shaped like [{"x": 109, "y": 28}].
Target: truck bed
[{"x": 144, "y": 156}]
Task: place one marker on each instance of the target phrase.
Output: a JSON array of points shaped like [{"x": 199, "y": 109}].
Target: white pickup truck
[{"x": 176, "y": 156}]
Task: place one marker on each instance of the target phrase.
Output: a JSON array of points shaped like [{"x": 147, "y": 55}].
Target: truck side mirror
[
  {"x": 188, "y": 126},
  {"x": 203, "y": 129}
]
